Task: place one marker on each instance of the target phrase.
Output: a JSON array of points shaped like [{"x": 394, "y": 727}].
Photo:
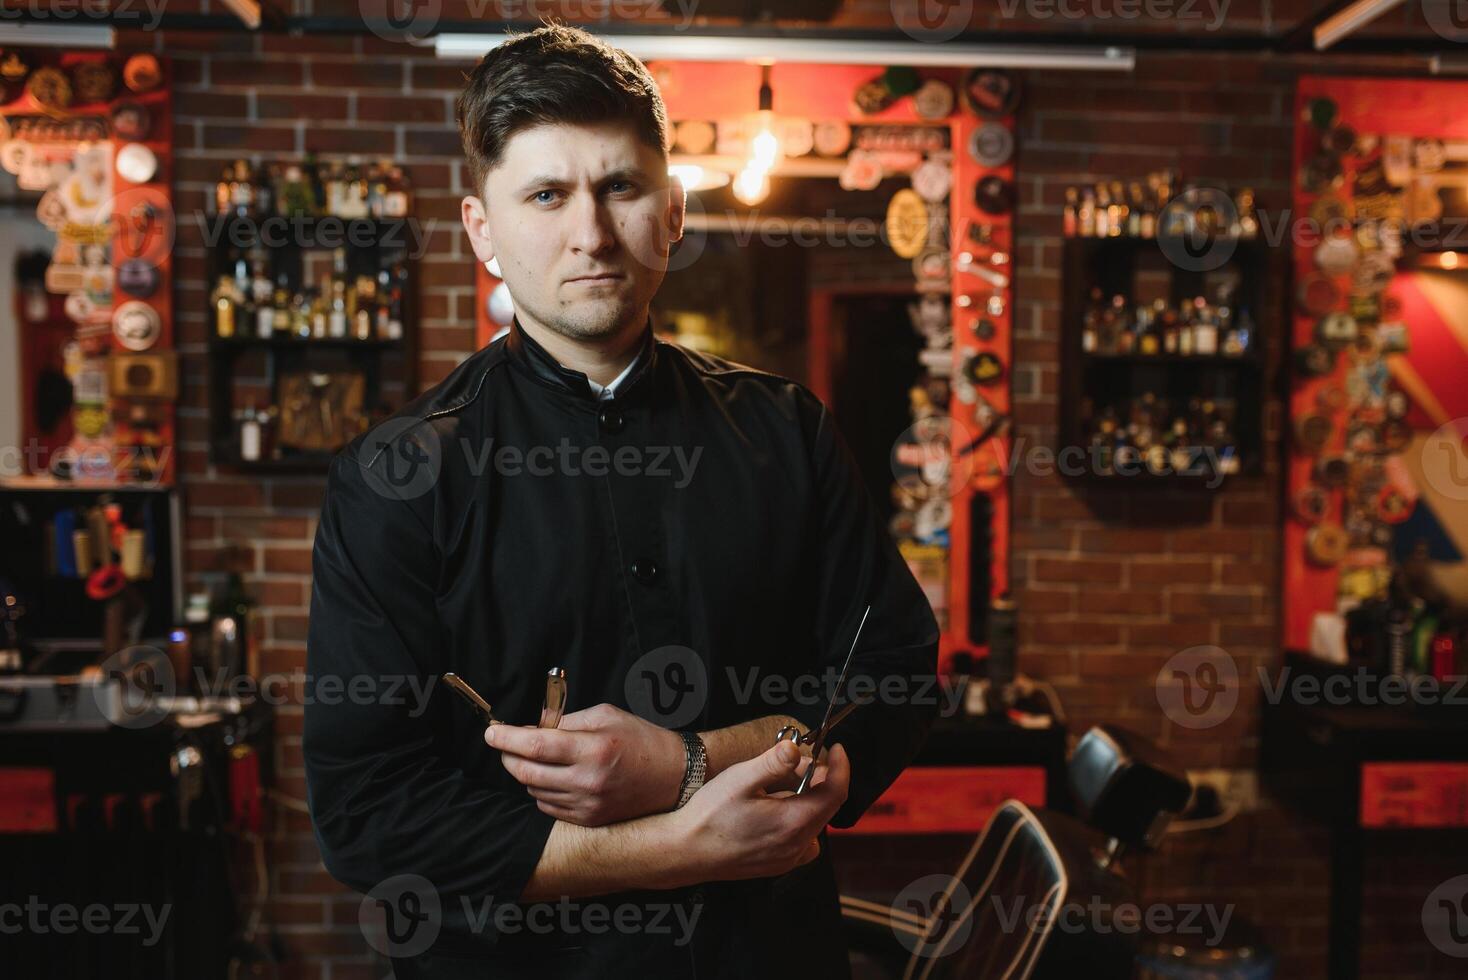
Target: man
[{"x": 687, "y": 537}]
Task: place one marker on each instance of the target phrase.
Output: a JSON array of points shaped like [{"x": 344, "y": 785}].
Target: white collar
[{"x": 605, "y": 392}]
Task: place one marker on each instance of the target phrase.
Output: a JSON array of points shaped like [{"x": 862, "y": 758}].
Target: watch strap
[{"x": 696, "y": 757}]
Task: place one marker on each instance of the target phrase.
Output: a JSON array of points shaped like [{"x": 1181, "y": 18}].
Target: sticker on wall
[
  {"x": 907, "y": 223},
  {"x": 994, "y": 195},
  {"x": 796, "y": 136},
  {"x": 1337, "y": 255},
  {"x": 934, "y": 178},
  {"x": 934, "y": 100},
  {"x": 138, "y": 278},
  {"x": 863, "y": 171},
  {"x": 137, "y": 164},
  {"x": 142, "y": 73},
  {"x": 136, "y": 325},
  {"x": 991, "y": 145},
  {"x": 990, "y": 93},
  {"x": 94, "y": 81},
  {"x": 1326, "y": 544},
  {"x": 831, "y": 138},
  {"x": 50, "y": 88}
]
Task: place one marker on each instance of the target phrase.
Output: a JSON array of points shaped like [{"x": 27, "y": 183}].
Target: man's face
[{"x": 580, "y": 218}]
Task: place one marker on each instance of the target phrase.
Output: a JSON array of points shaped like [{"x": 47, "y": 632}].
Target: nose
[{"x": 591, "y": 232}]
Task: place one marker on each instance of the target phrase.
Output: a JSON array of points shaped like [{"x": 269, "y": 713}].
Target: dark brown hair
[{"x": 554, "y": 74}]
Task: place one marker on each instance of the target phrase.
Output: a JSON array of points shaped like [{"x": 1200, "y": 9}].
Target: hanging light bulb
[{"x": 753, "y": 183}]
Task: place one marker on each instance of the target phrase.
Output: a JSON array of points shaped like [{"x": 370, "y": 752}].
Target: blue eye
[{"x": 541, "y": 198}]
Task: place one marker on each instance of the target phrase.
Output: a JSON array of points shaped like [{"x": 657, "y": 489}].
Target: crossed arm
[{"x": 611, "y": 780}]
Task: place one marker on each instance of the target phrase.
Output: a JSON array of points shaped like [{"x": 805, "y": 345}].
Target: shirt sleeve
[
  {"x": 385, "y": 799},
  {"x": 894, "y": 670}
]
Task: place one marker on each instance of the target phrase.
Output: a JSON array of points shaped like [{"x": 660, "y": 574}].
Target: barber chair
[{"x": 1018, "y": 905}]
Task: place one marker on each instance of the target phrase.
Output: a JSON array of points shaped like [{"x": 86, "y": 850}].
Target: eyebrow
[{"x": 542, "y": 181}]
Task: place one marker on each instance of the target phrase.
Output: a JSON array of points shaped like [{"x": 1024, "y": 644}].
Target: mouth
[{"x": 602, "y": 277}]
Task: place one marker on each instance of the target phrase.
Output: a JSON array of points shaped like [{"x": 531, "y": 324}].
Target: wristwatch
[{"x": 696, "y": 761}]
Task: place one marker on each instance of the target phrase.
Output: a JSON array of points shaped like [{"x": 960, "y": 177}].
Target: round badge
[
  {"x": 1320, "y": 173},
  {"x": 1373, "y": 274},
  {"x": 1396, "y": 435},
  {"x": 994, "y": 195},
  {"x": 1336, "y": 330},
  {"x": 934, "y": 100},
  {"x": 932, "y": 180},
  {"x": 142, "y": 73},
  {"x": 1393, "y": 506},
  {"x": 984, "y": 369},
  {"x": 1320, "y": 112},
  {"x": 1326, "y": 544},
  {"x": 991, "y": 145},
  {"x": 1312, "y": 431},
  {"x": 1332, "y": 472},
  {"x": 990, "y": 93},
  {"x": 136, "y": 325},
  {"x": 13, "y": 155},
  {"x": 131, "y": 121},
  {"x": 1337, "y": 256},
  {"x": 138, "y": 278},
  {"x": 50, "y": 88},
  {"x": 907, "y": 223},
  {"x": 94, "y": 81},
  {"x": 79, "y": 306},
  {"x": 1331, "y": 397},
  {"x": 1311, "y": 504},
  {"x": 796, "y": 138},
  {"x": 1317, "y": 295},
  {"x": 863, "y": 171},
  {"x": 832, "y": 139},
  {"x": 1339, "y": 140},
  {"x": 136, "y": 164},
  {"x": 871, "y": 98},
  {"x": 51, "y": 210}
]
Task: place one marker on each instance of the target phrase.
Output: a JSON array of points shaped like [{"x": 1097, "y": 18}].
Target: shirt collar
[{"x": 523, "y": 351}]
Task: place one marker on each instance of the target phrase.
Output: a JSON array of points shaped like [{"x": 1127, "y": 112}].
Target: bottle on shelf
[{"x": 223, "y": 298}]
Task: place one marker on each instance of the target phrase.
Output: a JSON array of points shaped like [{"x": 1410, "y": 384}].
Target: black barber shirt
[{"x": 697, "y": 549}]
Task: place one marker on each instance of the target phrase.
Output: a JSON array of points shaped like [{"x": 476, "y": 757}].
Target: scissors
[
  {"x": 816, "y": 737},
  {"x": 550, "y": 712}
]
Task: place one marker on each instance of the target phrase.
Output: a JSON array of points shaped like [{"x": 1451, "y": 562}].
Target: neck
[{"x": 601, "y": 359}]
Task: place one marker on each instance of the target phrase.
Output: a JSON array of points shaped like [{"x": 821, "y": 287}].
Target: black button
[
  {"x": 611, "y": 419},
  {"x": 645, "y": 570}
]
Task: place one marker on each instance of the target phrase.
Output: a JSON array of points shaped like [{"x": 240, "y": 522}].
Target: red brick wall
[{"x": 1110, "y": 582}]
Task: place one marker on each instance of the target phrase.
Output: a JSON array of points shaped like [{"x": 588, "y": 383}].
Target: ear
[
  {"x": 677, "y": 208},
  {"x": 476, "y": 223}
]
